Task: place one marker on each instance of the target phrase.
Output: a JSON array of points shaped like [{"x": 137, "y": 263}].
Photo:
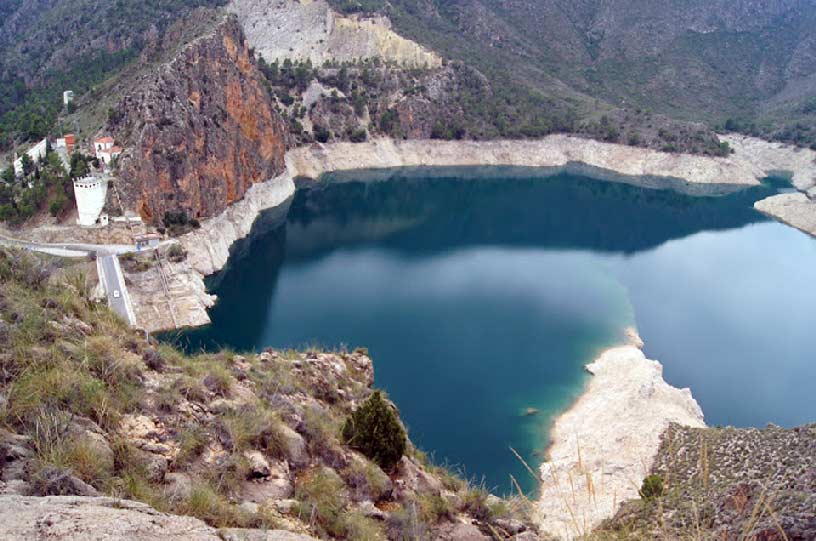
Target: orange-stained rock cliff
[{"x": 200, "y": 131}]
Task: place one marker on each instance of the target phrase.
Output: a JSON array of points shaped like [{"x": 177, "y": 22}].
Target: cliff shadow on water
[{"x": 481, "y": 284}]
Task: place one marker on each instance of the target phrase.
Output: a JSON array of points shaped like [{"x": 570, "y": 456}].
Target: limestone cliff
[
  {"x": 311, "y": 30},
  {"x": 200, "y": 130}
]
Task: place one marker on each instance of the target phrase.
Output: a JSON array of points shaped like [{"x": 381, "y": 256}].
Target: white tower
[{"x": 90, "y": 193}]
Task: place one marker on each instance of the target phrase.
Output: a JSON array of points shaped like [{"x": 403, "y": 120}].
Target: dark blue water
[{"x": 481, "y": 298}]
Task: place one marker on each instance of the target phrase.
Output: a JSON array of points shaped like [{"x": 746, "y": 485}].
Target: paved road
[
  {"x": 69, "y": 249},
  {"x": 61, "y": 251},
  {"x": 114, "y": 288}
]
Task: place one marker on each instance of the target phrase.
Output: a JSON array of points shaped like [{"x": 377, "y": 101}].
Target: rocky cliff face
[{"x": 199, "y": 131}]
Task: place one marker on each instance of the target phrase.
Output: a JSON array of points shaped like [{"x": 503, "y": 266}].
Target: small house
[
  {"x": 150, "y": 240},
  {"x": 68, "y": 142},
  {"x": 106, "y": 149}
]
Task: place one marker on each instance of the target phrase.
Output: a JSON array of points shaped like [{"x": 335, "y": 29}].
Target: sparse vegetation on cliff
[
  {"x": 46, "y": 49},
  {"x": 691, "y": 61},
  {"x": 725, "y": 483},
  {"x": 348, "y": 101}
]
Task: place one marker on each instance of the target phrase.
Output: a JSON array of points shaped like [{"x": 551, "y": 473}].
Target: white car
[{"x": 115, "y": 293}]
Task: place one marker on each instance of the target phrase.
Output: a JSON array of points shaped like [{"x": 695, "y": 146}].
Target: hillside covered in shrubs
[{"x": 280, "y": 440}]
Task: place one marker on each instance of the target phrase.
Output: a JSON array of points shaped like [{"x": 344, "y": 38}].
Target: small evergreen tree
[
  {"x": 57, "y": 205},
  {"x": 28, "y": 164},
  {"x": 652, "y": 487},
  {"x": 321, "y": 134},
  {"x": 79, "y": 166},
  {"x": 374, "y": 430}
]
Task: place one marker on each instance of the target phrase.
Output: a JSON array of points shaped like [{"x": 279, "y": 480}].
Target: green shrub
[
  {"x": 434, "y": 507},
  {"x": 58, "y": 387},
  {"x": 58, "y": 205},
  {"x": 374, "y": 430},
  {"x": 405, "y": 523},
  {"x": 652, "y": 487},
  {"x": 366, "y": 480},
  {"x": 191, "y": 388},
  {"x": 227, "y": 474},
  {"x": 320, "y": 430},
  {"x": 257, "y": 428},
  {"x": 358, "y": 135},
  {"x": 57, "y": 450},
  {"x": 321, "y": 493},
  {"x": 105, "y": 361},
  {"x": 219, "y": 380},
  {"x": 192, "y": 441},
  {"x": 474, "y": 503},
  {"x": 176, "y": 253},
  {"x": 360, "y": 528},
  {"x": 322, "y": 135},
  {"x": 208, "y": 505}
]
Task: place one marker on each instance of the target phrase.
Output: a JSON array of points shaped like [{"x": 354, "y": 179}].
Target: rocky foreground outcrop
[
  {"x": 69, "y": 518},
  {"x": 201, "y": 129},
  {"x": 730, "y": 484}
]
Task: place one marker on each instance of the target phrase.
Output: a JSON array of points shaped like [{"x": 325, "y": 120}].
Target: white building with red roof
[{"x": 106, "y": 149}]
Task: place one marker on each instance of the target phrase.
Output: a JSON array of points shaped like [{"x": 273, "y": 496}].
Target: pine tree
[{"x": 374, "y": 430}]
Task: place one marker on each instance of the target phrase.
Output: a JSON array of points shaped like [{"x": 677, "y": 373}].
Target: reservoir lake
[{"x": 481, "y": 295}]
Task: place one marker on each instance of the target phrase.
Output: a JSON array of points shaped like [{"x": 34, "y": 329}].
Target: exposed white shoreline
[
  {"x": 794, "y": 209},
  {"x": 604, "y": 444},
  {"x": 208, "y": 247},
  {"x": 644, "y": 167}
]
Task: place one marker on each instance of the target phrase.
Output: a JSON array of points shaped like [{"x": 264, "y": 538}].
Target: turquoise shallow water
[{"x": 481, "y": 298}]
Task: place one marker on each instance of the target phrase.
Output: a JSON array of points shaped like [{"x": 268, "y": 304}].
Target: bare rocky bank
[
  {"x": 798, "y": 164},
  {"x": 605, "y": 444}
]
